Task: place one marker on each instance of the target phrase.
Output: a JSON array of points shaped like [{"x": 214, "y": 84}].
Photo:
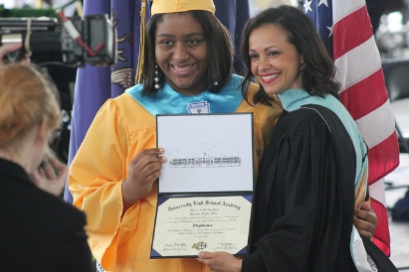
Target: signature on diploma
[
  {"x": 175, "y": 246},
  {"x": 225, "y": 246}
]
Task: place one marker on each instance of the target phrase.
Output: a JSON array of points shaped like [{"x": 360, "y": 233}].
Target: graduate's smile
[
  {"x": 182, "y": 70},
  {"x": 181, "y": 53}
]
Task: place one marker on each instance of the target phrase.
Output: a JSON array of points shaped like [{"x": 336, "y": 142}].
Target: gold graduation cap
[
  {"x": 167, "y": 6},
  {"x": 172, "y": 6}
]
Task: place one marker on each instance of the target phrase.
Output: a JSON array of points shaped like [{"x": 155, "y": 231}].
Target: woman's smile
[{"x": 269, "y": 78}]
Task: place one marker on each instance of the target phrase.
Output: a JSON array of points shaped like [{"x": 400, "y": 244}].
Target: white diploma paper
[
  {"x": 187, "y": 225},
  {"x": 206, "y": 152}
]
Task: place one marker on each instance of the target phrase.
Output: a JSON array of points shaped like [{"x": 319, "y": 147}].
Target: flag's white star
[
  {"x": 330, "y": 28},
  {"x": 323, "y": 2},
  {"x": 307, "y": 6}
]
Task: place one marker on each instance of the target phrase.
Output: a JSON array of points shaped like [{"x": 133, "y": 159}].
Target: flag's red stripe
[
  {"x": 383, "y": 158},
  {"x": 351, "y": 31},
  {"x": 371, "y": 92},
  {"x": 381, "y": 236}
]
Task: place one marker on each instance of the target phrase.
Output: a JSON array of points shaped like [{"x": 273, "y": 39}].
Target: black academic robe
[
  {"x": 304, "y": 197},
  {"x": 38, "y": 231}
]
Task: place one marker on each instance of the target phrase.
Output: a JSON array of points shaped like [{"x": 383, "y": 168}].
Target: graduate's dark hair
[
  {"x": 318, "y": 74},
  {"x": 219, "y": 51}
]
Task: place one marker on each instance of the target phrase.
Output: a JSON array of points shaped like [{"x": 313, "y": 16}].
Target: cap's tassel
[
  {"x": 78, "y": 6},
  {"x": 138, "y": 77}
]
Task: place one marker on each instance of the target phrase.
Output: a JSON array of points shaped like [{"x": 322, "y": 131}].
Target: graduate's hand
[
  {"x": 51, "y": 175},
  {"x": 144, "y": 170},
  {"x": 220, "y": 261},
  {"x": 365, "y": 220}
]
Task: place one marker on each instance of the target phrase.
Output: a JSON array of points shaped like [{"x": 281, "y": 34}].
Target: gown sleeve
[
  {"x": 95, "y": 180},
  {"x": 264, "y": 119},
  {"x": 306, "y": 204}
]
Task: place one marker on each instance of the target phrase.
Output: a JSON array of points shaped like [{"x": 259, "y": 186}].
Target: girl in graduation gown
[{"x": 188, "y": 61}]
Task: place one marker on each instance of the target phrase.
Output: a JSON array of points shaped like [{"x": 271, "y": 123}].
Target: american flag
[{"x": 345, "y": 28}]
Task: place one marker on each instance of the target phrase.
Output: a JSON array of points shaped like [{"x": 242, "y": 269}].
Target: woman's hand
[
  {"x": 11, "y": 47},
  {"x": 51, "y": 175},
  {"x": 220, "y": 261},
  {"x": 144, "y": 170},
  {"x": 365, "y": 220}
]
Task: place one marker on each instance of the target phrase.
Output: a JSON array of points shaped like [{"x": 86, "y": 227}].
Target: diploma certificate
[
  {"x": 205, "y": 188},
  {"x": 192, "y": 224}
]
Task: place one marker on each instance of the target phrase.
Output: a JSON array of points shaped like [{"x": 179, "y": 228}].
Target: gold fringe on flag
[{"x": 141, "y": 57}]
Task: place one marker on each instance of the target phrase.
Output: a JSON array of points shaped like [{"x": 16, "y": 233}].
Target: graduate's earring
[
  {"x": 302, "y": 67},
  {"x": 216, "y": 83},
  {"x": 302, "y": 63},
  {"x": 156, "y": 77}
]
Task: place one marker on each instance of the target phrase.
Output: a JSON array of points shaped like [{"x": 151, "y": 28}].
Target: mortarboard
[{"x": 172, "y": 6}]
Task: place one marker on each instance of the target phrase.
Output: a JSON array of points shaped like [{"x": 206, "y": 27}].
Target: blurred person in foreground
[{"x": 39, "y": 231}]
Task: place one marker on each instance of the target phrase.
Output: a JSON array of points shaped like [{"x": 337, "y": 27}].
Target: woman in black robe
[{"x": 315, "y": 163}]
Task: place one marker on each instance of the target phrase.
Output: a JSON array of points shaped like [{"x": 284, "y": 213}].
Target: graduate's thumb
[{"x": 365, "y": 206}]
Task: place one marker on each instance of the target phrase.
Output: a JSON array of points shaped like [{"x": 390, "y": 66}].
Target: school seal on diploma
[{"x": 199, "y": 246}]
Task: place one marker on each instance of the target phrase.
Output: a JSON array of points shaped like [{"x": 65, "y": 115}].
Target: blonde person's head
[{"x": 27, "y": 99}]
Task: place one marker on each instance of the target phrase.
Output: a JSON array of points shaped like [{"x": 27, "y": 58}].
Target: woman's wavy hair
[
  {"x": 219, "y": 51},
  {"x": 318, "y": 74},
  {"x": 27, "y": 97}
]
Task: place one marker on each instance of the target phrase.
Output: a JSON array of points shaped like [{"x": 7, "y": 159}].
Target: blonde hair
[{"x": 27, "y": 98}]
